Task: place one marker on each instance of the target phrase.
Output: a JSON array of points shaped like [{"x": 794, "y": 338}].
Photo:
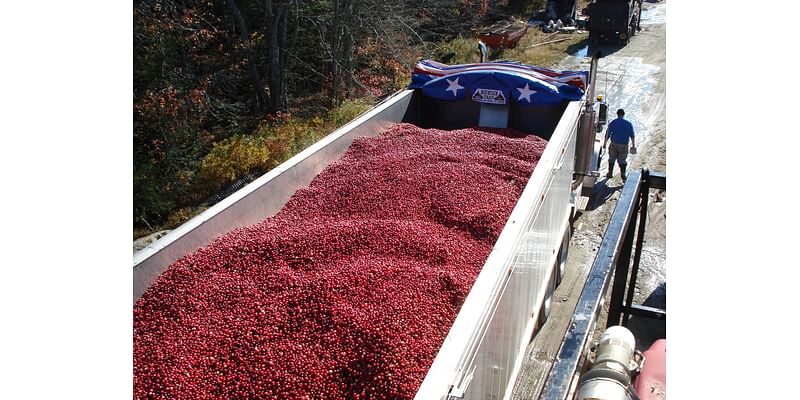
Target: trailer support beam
[
  {"x": 570, "y": 355},
  {"x": 613, "y": 258}
]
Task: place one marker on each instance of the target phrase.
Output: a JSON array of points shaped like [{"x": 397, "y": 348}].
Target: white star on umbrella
[
  {"x": 454, "y": 86},
  {"x": 526, "y": 93}
]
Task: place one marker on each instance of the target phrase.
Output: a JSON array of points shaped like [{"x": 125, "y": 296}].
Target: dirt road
[{"x": 632, "y": 77}]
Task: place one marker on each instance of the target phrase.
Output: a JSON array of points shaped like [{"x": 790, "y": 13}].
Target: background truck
[
  {"x": 613, "y": 20},
  {"x": 482, "y": 352}
]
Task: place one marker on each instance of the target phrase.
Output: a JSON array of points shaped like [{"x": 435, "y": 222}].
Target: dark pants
[{"x": 618, "y": 152}]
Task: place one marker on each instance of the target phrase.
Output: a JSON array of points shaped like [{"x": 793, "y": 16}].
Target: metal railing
[{"x": 613, "y": 259}]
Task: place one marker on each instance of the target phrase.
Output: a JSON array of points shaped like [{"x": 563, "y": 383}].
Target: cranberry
[{"x": 349, "y": 291}]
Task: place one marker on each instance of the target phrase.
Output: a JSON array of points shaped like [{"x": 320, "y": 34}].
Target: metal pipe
[
  {"x": 585, "y": 142},
  {"x": 584, "y": 147},
  {"x": 614, "y": 361},
  {"x": 484, "y": 51},
  {"x": 593, "y": 77}
]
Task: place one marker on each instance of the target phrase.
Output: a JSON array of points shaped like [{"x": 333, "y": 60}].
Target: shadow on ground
[
  {"x": 585, "y": 48},
  {"x": 605, "y": 49},
  {"x": 648, "y": 330},
  {"x": 602, "y": 192},
  {"x": 579, "y": 49}
]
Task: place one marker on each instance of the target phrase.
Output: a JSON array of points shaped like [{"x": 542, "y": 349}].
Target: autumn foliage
[{"x": 214, "y": 81}]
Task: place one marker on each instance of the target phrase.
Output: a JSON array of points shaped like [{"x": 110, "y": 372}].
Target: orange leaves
[
  {"x": 188, "y": 17},
  {"x": 168, "y": 102},
  {"x": 277, "y": 146},
  {"x": 198, "y": 98}
]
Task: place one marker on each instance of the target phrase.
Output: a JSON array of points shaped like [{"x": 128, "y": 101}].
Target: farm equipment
[
  {"x": 614, "y": 20},
  {"x": 503, "y": 35},
  {"x": 482, "y": 352}
]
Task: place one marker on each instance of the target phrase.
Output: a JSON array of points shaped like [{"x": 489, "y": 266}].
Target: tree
[
  {"x": 208, "y": 70},
  {"x": 252, "y": 68},
  {"x": 275, "y": 26}
]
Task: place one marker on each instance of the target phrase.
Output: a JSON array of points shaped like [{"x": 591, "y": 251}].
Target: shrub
[
  {"x": 465, "y": 49},
  {"x": 182, "y": 215},
  {"x": 347, "y": 111},
  {"x": 230, "y": 159}
]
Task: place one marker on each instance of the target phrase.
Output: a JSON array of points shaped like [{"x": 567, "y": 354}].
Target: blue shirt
[{"x": 620, "y": 130}]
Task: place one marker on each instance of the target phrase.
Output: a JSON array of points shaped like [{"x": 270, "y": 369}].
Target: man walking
[{"x": 620, "y": 131}]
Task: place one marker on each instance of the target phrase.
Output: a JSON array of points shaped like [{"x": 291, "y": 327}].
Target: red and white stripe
[{"x": 434, "y": 68}]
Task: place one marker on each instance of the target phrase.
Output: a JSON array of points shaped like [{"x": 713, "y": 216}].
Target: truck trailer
[
  {"x": 481, "y": 354},
  {"x": 613, "y": 20}
]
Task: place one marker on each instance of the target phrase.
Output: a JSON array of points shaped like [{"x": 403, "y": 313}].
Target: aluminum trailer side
[
  {"x": 482, "y": 352},
  {"x": 263, "y": 197}
]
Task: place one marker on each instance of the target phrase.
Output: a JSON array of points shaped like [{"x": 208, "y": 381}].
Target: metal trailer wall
[
  {"x": 482, "y": 353},
  {"x": 262, "y": 198}
]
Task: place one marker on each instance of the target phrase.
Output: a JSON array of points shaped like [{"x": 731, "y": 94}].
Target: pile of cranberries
[{"x": 349, "y": 291}]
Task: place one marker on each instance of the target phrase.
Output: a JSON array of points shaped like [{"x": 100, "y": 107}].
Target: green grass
[
  {"x": 466, "y": 49},
  {"x": 544, "y": 56}
]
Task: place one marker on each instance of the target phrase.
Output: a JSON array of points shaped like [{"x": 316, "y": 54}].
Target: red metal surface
[
  {"x": 506, "y": 37},
  {"x": 651, "y": 384}
]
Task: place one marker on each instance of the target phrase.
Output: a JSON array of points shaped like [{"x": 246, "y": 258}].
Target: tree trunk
[
  {"x": 347, "y": 47},
  {"x": 251, "y": 62},
  {"x": 335, "y": 51},
  {"x": 283, "y": 45},
  {"x": 276, "y": 51},
  {"x": 342, "y": 42}
]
